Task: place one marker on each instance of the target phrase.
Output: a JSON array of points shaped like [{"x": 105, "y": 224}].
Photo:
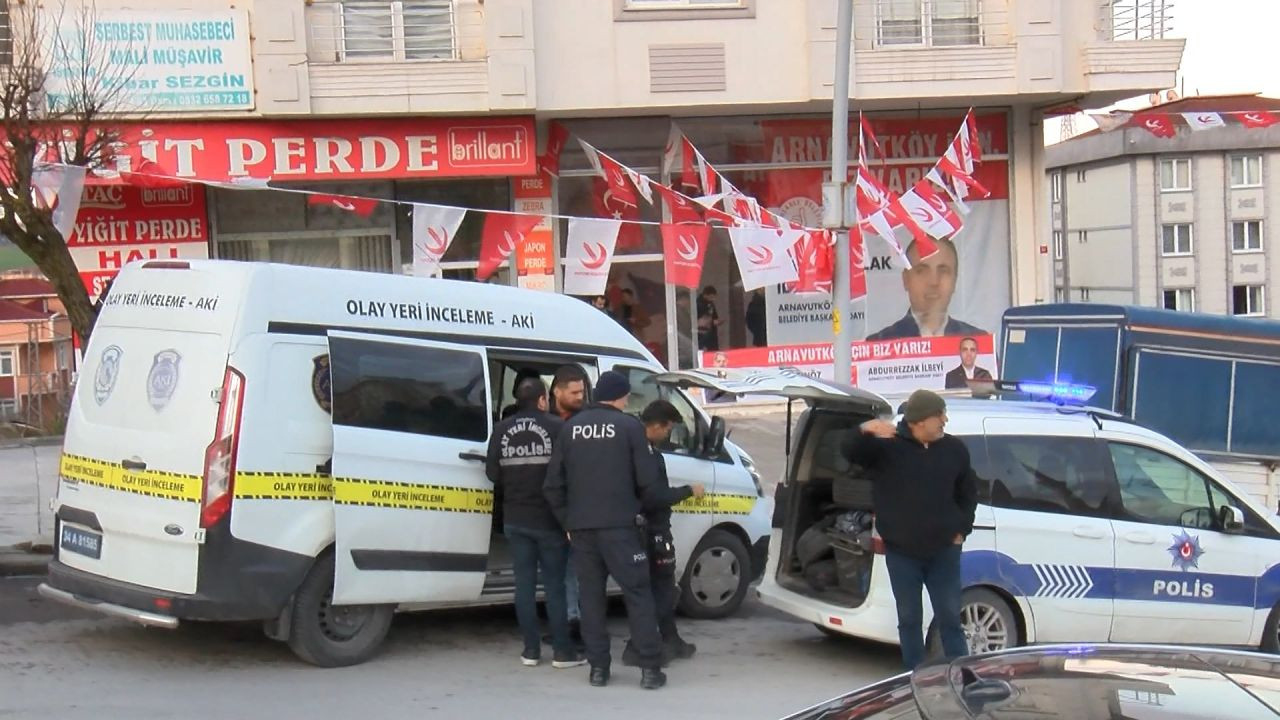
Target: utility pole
[{"x": 833, "y": 194}]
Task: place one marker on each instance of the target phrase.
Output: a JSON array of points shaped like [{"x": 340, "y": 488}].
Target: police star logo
[
  {"x": 321, "y": 383},
  {"x": 162, "y": 380},
  {"x": 1186, "y": 551},
  {"x": 104, "y": 380}
]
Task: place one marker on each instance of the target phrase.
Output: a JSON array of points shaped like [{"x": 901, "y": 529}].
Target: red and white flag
[
  {"x": 764, "y": 255},
  {"x": 745, "y": 208},
  {"x": 1204, "y": 120},
  {"x": 681, "y": 210},
  {"x": 707, "y": 175},
  {"x": 882, "y": 211},
  {"x": 589, "y": 255},
  {"x": 1258, "y": 119},
  {"x": 1158, "y": 124},
  {"x": 502, "y": 232},
  {"x": 813, "y": 254},
  {"x": 608, "y": 206},
  {"x": 865, "y": 136},
  {"x": 931, "y": 211},
  {"x": 684, "y": 249},
  {"x": 434, "y": 227},
  {"x": 363, "y": 207},
  {"x": 620, "y": 187},
  {"x": 557, "y": 136}
]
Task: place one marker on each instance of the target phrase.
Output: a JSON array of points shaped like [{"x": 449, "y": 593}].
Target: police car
[{"x": 1090, "y": 528}]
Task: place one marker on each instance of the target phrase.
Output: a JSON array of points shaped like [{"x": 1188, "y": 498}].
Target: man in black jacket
[
  {"x": 924, "y": 494},
  {"x": 659, "y": 417},
  {"x": 519, "y": 453},
  {"x": 600, "y": 472}
]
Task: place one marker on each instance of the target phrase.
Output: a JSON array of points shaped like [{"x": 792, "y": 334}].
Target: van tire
[
  {"x": 1271, "y": 632},
  {"x": 985, "y": 605},
  {"x": 719, "y": 556},
  {"x": 322, "y": 637}
]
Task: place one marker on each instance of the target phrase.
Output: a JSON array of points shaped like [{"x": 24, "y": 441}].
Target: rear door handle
[
  {"x": 1088, "y": 532},
  {"x": 1139, "y": 538},
  {"x": 472, "y": 455},
  {"x": 133, "y": 465}
]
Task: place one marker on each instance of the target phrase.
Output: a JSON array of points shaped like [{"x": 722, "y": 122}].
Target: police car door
[
  {"x": 412, "y": 506},
  {"x": 1179, "y": 577},
  {"x": 1051, "y": 500}
]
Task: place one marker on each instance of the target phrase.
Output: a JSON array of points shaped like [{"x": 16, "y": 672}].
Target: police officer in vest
[{"x": 600, "y": 474}]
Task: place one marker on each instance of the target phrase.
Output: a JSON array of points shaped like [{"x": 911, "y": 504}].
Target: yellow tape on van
[
  {"x": 254, "y": 485},
  {"x": 717, "y": 503},
  {"x": 409, "y": 496},
  {"x": 75, "y": 469}
]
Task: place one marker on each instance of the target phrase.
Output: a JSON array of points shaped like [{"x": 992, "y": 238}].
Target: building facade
[
  {"x": 449, "y": 102},
  {"x": 1183, "y": 223},
  {"x": 35, "y": 351}
]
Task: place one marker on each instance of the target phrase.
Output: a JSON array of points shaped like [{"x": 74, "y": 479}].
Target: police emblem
[
  {"x": 163, "y": 378},
  {"x": 321, "y": 388},
  {"x": 104, "y": 381},
  {"x": 1186, "y": 551}
]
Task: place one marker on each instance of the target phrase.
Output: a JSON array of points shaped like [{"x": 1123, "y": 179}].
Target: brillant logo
[{"x": 497, "y": 146}]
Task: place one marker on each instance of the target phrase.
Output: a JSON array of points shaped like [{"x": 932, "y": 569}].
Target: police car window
[
  {"x": 405, "y": 388},
  {"x": 1156, "y": 488},
  {"x": 645, "y": 389},
  {"x": 1253, "y": 525},
  {"x": 1048, "y": 474}
]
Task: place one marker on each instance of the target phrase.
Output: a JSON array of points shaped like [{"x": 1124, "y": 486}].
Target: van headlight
[{"x": 753, "y": 472}]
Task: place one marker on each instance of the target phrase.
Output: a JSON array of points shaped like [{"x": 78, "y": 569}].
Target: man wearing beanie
[
  {"x": 925, "y": 493},
  {"x": 600, "y": 475}
]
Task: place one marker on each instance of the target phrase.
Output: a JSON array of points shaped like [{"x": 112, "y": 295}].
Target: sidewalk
[{"x": 28, "y": 480}]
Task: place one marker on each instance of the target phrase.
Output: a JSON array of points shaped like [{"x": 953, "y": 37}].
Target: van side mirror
[
  {"x": 714, "y": 443},
  {"x": 1231, "y": 519}
]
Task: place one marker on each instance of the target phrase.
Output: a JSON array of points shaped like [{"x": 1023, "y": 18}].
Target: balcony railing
[
  {"x": 1135, "y": 20},
  {"x": 381, "y": 30},
  {"x": 929, "y": 23}
]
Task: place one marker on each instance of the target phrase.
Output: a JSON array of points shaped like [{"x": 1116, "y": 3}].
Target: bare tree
[{"x": 75, "y": 126}]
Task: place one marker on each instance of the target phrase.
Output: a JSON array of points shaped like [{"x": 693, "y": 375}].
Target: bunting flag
[
  {"x": 607, "y": 205},
  {"x": 433, "y": 229},
  {"x": 1157, "y": 124},
  {"x": 680, "y": 209},
  {"x": 764, "y": 256},
  {"x": 502, "y": 232},
  {"x": 865, "y": 135},
  {"x": 620, "y": 187},
  {"x": 58, "y": 188},
  {"x": 557, "y": 137},
  {"x": 690, "y": 180},
  {"x": 363, "y": 207},
  {"x": 930, "y": 211},
  {"x": 588, "y": 255},
  {"x": 814, "y": 269},
  {"x": 684, "y": 249},
  {"x": 1258, "y": 119},
  {"x": 1198, "y": 121},
  {"x": 1166, "y": 124}
]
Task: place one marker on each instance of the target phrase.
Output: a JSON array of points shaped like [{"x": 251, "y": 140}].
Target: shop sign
[
  {"x": 165, "y": 60},
  {"x": 535, "y": 255}
]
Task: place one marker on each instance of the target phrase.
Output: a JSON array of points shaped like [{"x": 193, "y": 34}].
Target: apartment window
[
  {"x": 1176, "y": 239},
  {"x": 1181, "y": 299},
  {"x": 1175, "y": 174},
  {"x": 1246, "y": 171},
  {"x": 381, "y": 30},
  {"x": 8, "y": 408},
  {"x": 7, "y": 367},
  {"x": 681, "y": 4},
  {"x": 1248, "y": 300},
  {"x": 1058, "y": 250},
  {"x": 938, "y": 23},
  {"x": 6, "y": 35},
  {"x": 1246, "y": 236},
  {"x": 1055, "y": 187}
]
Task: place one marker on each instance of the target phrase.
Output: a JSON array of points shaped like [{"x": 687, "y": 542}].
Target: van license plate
[{"x": 81, "y": 542}]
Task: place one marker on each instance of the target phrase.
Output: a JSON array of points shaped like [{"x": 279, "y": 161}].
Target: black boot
[
  {"x": 599, "y": 676},
  {"x": 631, "y": 658},
  {"x": 677, "y": 649},
  {"x": 652, "y": 678}
]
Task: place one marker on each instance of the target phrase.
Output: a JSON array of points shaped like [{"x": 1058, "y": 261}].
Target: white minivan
[
  {"x": 1089, "y": 528},
  {"x": 305, "y": 447}
]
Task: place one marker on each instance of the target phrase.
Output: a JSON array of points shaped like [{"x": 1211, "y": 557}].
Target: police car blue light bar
[{"x": 1058, "y": 392}]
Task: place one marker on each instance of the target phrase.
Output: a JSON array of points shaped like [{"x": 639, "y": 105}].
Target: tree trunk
[{"x": 46, "y": 247}]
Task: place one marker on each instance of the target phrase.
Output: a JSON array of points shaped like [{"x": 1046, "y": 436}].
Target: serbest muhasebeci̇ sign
[{"x": 163, "y": 60}]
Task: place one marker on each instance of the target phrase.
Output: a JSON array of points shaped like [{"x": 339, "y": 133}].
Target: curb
[
  {"x": 24, "y": 559},
  {"x": 30, "y": 442}
]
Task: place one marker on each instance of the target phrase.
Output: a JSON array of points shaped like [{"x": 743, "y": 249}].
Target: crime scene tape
[{"x": 75, "y": 469}]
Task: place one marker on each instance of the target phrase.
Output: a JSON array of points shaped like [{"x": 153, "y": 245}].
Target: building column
[{"x": 1030, "y": 259}]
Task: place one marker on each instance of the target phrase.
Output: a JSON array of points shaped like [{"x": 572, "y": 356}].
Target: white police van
[
  {"x": 305, "y": 447},
  {"x": 1089, "y": 528}
]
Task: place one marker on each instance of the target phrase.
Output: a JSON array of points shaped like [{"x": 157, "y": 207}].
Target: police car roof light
[{"x": 1058, "y": 391}]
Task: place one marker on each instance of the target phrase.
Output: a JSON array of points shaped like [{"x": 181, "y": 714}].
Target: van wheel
[
  {"x": 329, "y": 635},
  {"x": 989, "y": 624},
  {"x": 1271, "y": 632},
  {"x": 716, "y": 580}
]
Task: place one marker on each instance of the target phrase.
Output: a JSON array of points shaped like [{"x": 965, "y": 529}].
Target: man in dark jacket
[
  {"x": 519, "y": 453},
  {"x": 924, "y": 492},
  {"x": 659, "y": 417},
  {"x": 600, "y": 472}
]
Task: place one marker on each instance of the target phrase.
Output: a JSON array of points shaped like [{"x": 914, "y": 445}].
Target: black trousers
[
  {"x": 618, "y": 552},
  {"x": 662, "y": 578}
]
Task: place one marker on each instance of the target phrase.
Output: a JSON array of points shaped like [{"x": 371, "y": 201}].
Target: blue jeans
[
  {"x": 941, "y": 574},
  {"x": 548, "y": 550}
]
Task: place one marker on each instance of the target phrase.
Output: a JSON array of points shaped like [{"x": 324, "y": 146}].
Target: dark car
[{"x": 1077, "y": 682}]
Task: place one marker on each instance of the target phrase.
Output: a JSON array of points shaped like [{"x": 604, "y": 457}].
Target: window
[
  {"x": 7, "y": 367},
  {"x": 373, "y": 30},
  {"x": 1059, "y": 294},
  {"x": 1160, "y": 398},
  {"x": 1155, "y": 488},
  {"x": 1181, "y": 299},
  {"x": 681, "y": 4},
  {"x": 1055, "y": 187},
  {"x": 63, "y": 351},
  {"x": 1247, "y": 300},
  {"x": 686, "y": 436},
  {"x": 1246, "y": 171},
  {"x": 1175, "y": 239},
  {"x": 1058, "y": 250},
  {"x": 1253, "y": 429},
  {"x": 938, "y": 23},
  {"x": 1081, "y": 175},
  {"x": 8, "y": 408},
  {"x": 1049, "y": 474},
  {"x": 1084, "y": 294},
  {"x": 409, "y": 388},
  {"x": 1175, "y": 174},
  {"x": 1246, "y": 236},
  {"x": 6, "y": 35},
  {"x": 1083, "y": 236}
]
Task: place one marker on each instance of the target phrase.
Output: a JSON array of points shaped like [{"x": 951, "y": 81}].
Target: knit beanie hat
[
  {"x": 923, "y": 405},
  {"x": 611, "y": 386}
]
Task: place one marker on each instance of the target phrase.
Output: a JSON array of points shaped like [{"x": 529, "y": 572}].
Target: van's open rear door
[
  {"x": 412, "y": 506},
  {"x": 783, "y": 382}
]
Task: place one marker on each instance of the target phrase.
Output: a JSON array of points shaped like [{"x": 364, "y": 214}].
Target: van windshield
[{"x": 1064, "y": 353}]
